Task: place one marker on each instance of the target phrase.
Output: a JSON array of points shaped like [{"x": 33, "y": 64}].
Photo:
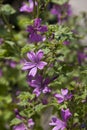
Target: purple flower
[
  {"x": 61, "y": 124},
  {"x": 58, "y": 124},
  {"x": 66, "y": 114},
  {"x": 40, "y": 85},
  {"x": 1, "y": 73},
  {"x": 61, "y": 11},
  {"x": 11, "y": 63},
  {"x": 1, "y": 41},
  {"x": 66, "y": 42},
  {"x": 81, "y": 57},
  {"x": 36, "y": 31},
  {"x": 22, "y": 126},
  {"x": 34, "y": 62},
  {"x": 30, "y": 123},
  {"x": 28, "y": 7},
  {"x": 63, "y": 96}
]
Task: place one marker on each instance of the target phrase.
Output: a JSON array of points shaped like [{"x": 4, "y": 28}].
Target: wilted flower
[
  {"x": 40, "y": 85},
  {"x": 34, "y": 62},
  {"x": 28, "y": 7},
  {"x": 61, "y": 124},
  {"x": 36, "y": 31},
  {"x": 61, "y": 11},
  {"x": 63, "y": 96}
]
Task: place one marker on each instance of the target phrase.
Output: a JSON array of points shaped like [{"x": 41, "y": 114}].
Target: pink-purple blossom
[
  {"x": 81, "y": 57},
  {"x": 11, "y": 63},
  {"x": 66, "y": 42},
  {"x": 63, "y": 96},
  {"x": 1, "y": 73},
  {"x": 28, "y": 7},
  {"x": 34, "y": 62},
  {"x": 36, "y": 31},
  {"x": 1, "y": 40},
  {"x": 61, "y": 124},
  {"x": 39, "y": 84},
  {"x": 65, "y": 114},
  {"x": 57, "y": 123},
  {"x": 61, "y": 11},
  {"x": 22, "y": 126}
]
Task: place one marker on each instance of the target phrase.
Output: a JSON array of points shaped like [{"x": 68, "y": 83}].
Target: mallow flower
[
  {"x": 39, "y": 84},
  {"x": 28, "y": 7},
  {"x": 1, "y": 73},
  {"x": 36, "y": 31},
  {"x": 34, "y": 62},
  {"x": 1, "y": 40},
  {"x": 22, "y": 126},
  {"x": 61, "y": 11},
  {"x": 61, "y": 124},
  {"x": 63, "y": 96},
  {"x": 81, "y": 57}
]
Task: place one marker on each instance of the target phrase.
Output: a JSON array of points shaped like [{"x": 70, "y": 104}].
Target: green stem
[{"x": 37, "y": 8}]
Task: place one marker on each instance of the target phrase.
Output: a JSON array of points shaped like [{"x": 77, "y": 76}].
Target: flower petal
[
  {"x": 64, "y": 92},
  {"x": 31, "y": 56},
  {"x": 34, "y": 37},
  {"x": 43, "y": 29},
  {"x": 40, "y": 54},
  {"x": 33, "y": 71},
  {"x": 41, "y": 65},
  {"x": 37, "y": 92},
  {"x": 59, "y": 97},
  {"x": 46, "y": 90},
  {"x": 28, "y": 65}
]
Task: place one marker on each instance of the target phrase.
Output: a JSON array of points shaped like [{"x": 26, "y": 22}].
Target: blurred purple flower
[
  {"x": 22, "y": 126},
  {"x": 1, "y": 40},
  {"x": 81, "y": 57},
  {"x": 40, "y": 85},
  {"x": 34, "y": 62},
  {"x": 66, "y": 42},
  {"x": 36, "y": 30},
  {"x": 61, "y": 11},
  {"x": 28, "y": 7},
  {"x": 61, "y": 124},
  {"x": 1, "y": 73},
  {"x": 11, "y": 63},
  {"x": 63, "y": 96}
]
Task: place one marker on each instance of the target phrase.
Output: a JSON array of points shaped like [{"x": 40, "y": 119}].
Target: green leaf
[
  {"x": 15, "y": 121},
  {"x": 2, "y": 52},
  {"x": 7, "y": 9},
  {"x": 60, "y": 2},
  {"x": 27, "y": 48},
  {"x": 39, "y": 107}
]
